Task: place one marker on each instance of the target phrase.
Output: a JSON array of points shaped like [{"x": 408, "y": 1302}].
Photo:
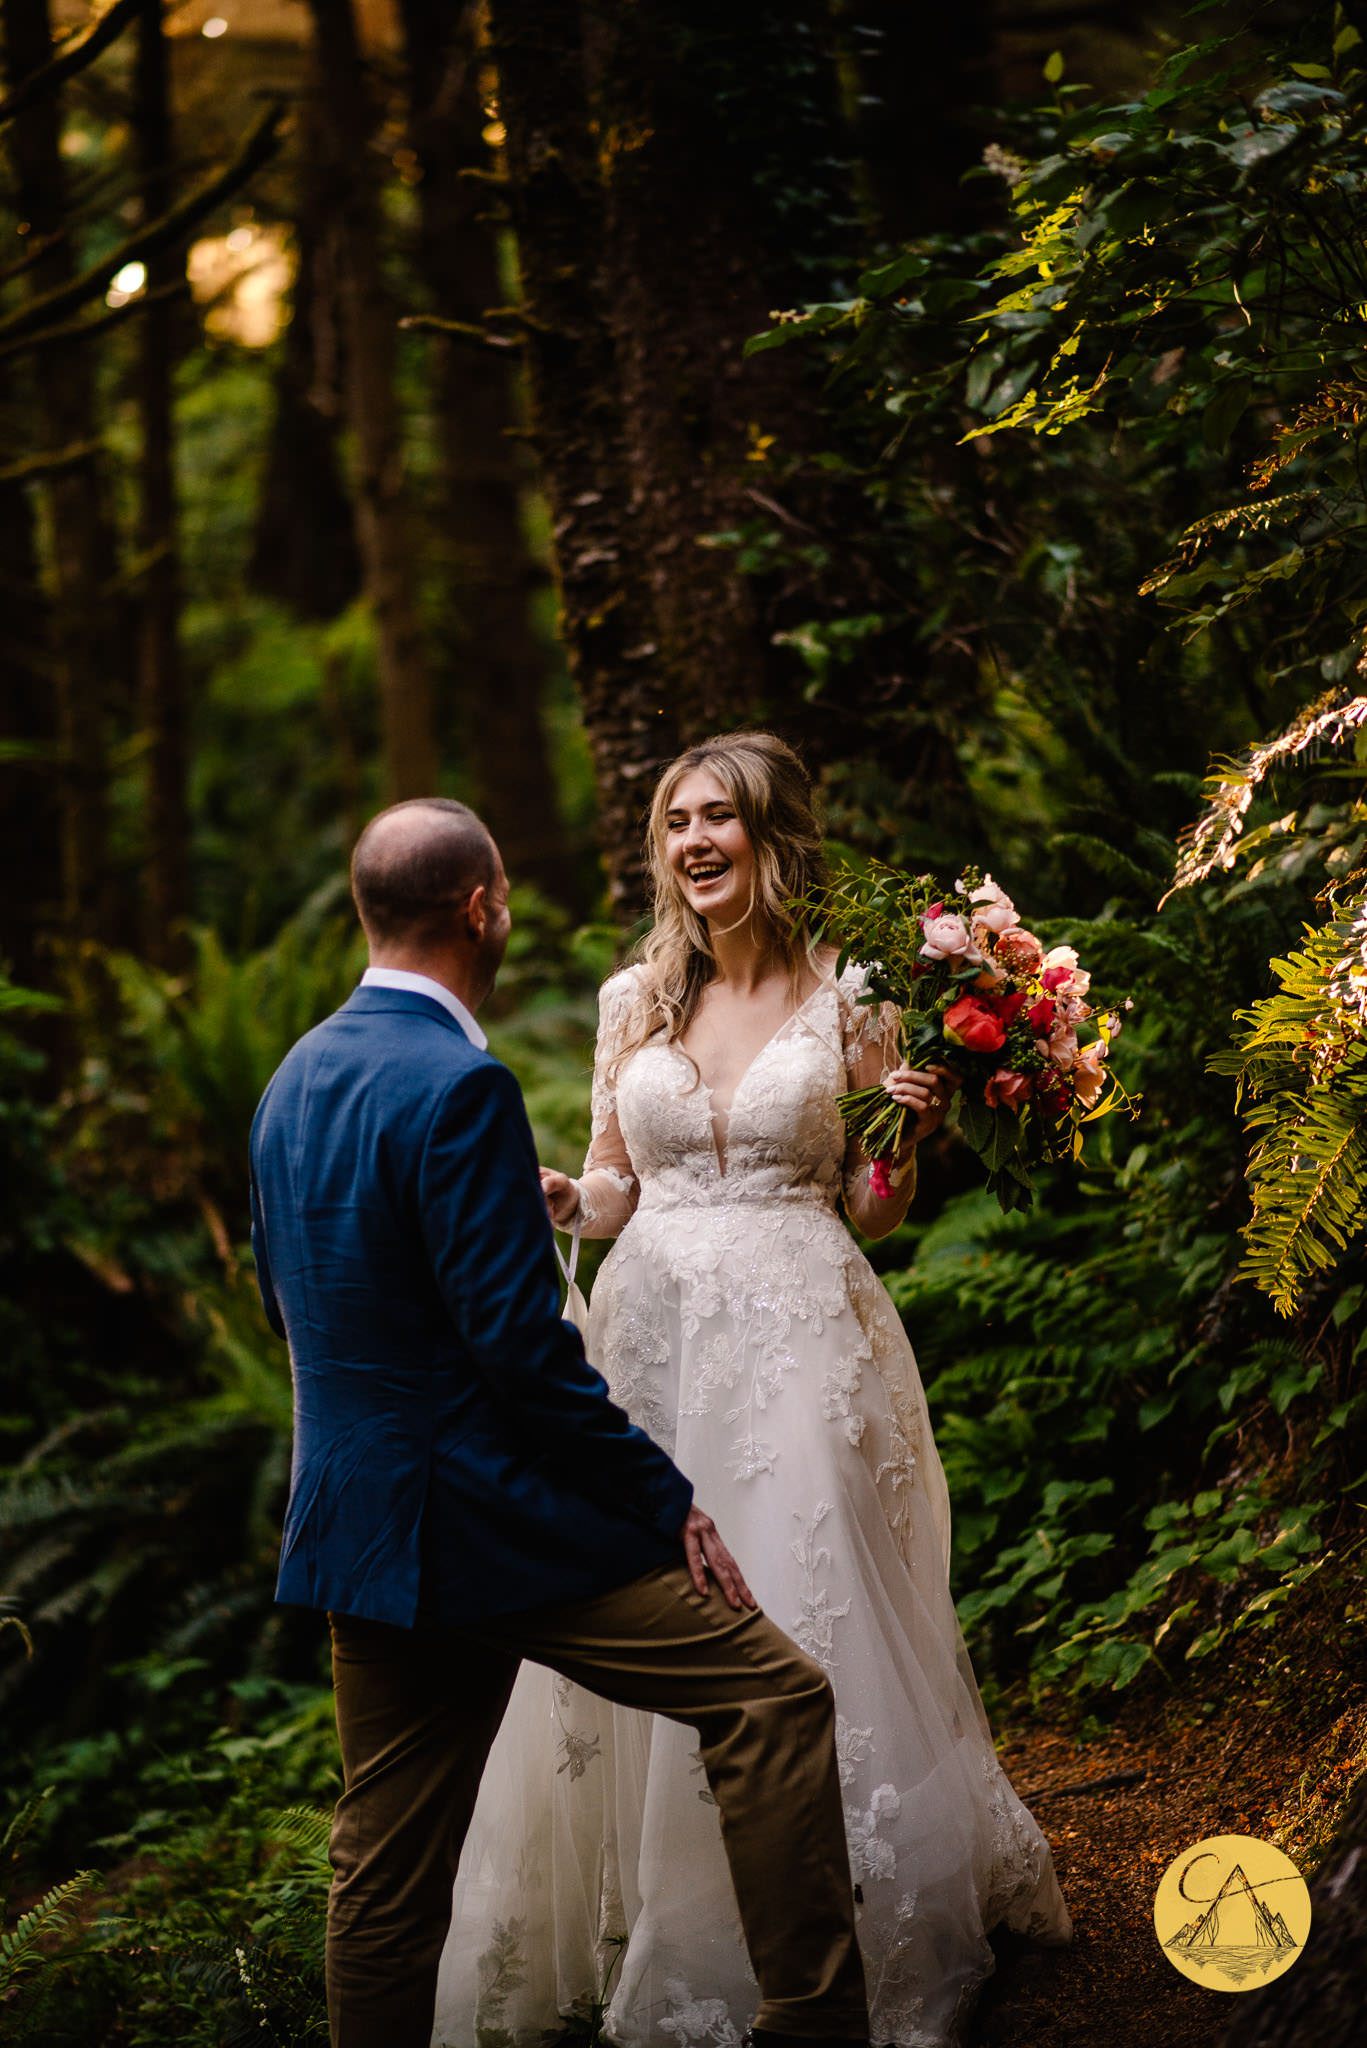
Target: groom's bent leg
[
  {"x": 417, "y": 1710},
  {"x": 765, "y": 1718}
]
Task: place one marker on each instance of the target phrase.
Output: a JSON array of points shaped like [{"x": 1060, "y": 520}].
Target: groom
[{"x": 464, "y": 1494}]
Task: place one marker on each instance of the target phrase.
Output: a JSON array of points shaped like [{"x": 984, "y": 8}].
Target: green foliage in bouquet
[{"x": 976, "y": 993}]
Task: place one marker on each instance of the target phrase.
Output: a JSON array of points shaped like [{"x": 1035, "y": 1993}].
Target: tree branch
[
  {"x": 73, "y": 56},
  {"x": 260, "y": 145},
  {"x": 77, "y": 330},
  {"x": 48, "y": 464},
  {"x": 463, "y": 330}
]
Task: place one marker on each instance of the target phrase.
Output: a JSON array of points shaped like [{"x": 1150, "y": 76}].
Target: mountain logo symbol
[{"x": 1232, "y": 1912}]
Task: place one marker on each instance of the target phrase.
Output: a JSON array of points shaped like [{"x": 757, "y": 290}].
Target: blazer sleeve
[
  {"x": 489, "y": 1238},
  {"x": 263, "y": 1267}
]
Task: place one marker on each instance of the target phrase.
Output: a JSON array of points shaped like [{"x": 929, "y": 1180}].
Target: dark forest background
[{"x": 491, "y": 399}]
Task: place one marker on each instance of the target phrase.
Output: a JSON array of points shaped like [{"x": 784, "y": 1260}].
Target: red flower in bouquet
[
  {"x": 1007, "y": 1089},
  {"x": 980, "y": 994},
  {"x": 971, "y": 1024}
]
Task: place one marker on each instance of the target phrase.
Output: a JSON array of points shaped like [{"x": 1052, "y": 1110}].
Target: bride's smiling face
[{"x": 707, "y": 847}]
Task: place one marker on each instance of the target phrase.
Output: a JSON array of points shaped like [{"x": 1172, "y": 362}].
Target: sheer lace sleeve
[
  {"x": 869, "y": 1034},
  {"x": 608, "y": 1189}
]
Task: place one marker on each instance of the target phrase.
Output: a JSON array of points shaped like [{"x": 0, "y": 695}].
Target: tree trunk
[
  {"x": 714, "y": 124},
  {"x": 82, "y": 548},
  {"x": 1320, "y": 1999},
  {"x": 304, "y": 552},
  {"x": 606, "y": 613},
  {"x": 666, "y": 190},
  {"x": 492, "y": 668},
  {"x": 30, "y": 815},
  {"x": 161, "y": 686},
  {"x": 346, "y": 122}
]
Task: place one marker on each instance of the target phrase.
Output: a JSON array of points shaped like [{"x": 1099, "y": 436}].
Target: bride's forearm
[
  {"x": 607, "y": 1200},
  {"x": 877, "y": 1198}
]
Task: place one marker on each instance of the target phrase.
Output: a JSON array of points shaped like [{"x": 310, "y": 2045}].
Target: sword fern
[{"x": 1301, "y": 1066}]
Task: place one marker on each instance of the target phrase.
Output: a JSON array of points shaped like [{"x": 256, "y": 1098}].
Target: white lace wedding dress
[{"x": 738, "y": 1322}]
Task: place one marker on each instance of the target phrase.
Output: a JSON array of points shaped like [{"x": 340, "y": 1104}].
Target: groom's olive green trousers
[{"x": 417, "y": 1710}]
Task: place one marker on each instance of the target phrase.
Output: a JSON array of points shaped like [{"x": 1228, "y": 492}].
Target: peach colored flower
[
  {"x": 991, "y": 976},
  {"x": 1019, "y": 950},
  {"x": 1088, "y": 1073},
  {"x": 1061, "y": 1046}
]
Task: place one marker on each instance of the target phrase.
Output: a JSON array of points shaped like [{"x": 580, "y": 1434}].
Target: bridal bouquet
[{"x": 978, "y": 993}]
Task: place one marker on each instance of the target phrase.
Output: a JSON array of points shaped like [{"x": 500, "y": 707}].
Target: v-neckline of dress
[{"x": 720, "y": 1151}]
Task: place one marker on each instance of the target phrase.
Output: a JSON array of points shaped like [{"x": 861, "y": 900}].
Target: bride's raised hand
[
  {"x": 562, "y": 1196},
  {"x": 927, "y": 1092}
]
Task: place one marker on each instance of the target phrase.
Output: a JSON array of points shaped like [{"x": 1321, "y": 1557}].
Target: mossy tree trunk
[
  {"x": 161, "y": 678},
  {"x": 346, "y": 124},
  {"x": 575, "y": 421},
  {"x": 30, "y": 820},
  {"x": 490, "y": 668},
  {"x": 85, "y": 646},
  {"x": 661, "y": 188},
  {"x": 304, "y": 550}
]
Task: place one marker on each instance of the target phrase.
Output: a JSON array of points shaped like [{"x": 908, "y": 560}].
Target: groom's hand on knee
[{"x": 706, "y": 1553}]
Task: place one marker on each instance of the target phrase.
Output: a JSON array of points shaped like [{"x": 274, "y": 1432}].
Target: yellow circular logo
[{"x": 1232, "y": 1913}]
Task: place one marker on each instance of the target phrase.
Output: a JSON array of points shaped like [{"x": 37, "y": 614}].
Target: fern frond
[
  {"x": 1210, "y": 842},
  {"x": 308, "y": 1828},
  {"x": 21, "y": 1823},
  {"x": 1309, "y": 1180},
  {"x": 1105, "y": 859},
  {"x": 1301, "y": 1067},
  {"x": 19, "y": 1948},
  {"x": 21, "y": 1628}
]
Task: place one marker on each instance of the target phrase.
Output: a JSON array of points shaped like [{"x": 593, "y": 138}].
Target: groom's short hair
[{"x": 414, "y": 862}]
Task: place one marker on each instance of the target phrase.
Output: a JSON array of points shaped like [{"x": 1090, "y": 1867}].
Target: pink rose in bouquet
[
  {"x": 994, "y": 910},
  {"x": 947, "y": 938}
]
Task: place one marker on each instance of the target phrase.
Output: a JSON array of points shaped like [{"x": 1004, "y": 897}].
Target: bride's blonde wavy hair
[{"x": 771, "y": 793}]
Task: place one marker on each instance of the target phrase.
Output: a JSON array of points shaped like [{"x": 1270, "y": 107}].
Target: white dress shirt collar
[{"x": 423, "y": 985}]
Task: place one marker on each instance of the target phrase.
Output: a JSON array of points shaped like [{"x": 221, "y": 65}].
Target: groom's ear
[{"x": 477, "y": 912}]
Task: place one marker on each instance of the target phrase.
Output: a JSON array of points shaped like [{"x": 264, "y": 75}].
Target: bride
[{"x": 738, "y": 1322}]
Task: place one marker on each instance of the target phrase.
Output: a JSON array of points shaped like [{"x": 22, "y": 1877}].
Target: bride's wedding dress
[{"x": 738, "y": 1322}]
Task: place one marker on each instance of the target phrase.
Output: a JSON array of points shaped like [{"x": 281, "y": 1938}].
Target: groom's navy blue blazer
[{"x": 446, "y": 1423}]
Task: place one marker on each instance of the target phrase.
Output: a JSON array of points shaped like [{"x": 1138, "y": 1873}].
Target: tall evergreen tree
[{"x": 490, "y": 666}]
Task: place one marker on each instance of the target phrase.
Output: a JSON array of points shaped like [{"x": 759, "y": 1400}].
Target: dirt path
[{"x": 1265, "y": 1773}]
